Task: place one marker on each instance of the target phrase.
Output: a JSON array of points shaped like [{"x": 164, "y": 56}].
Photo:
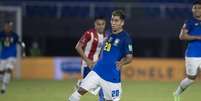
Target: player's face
[
  {"x": 100, "y": 25},
  {"x": 196, "y": 10},
  {"x": 7, "y": 28},
  {"x": 116, "y": 23}
]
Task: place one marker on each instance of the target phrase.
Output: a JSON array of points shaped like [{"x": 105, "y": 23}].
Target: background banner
[{"x": 60, "y": 68}]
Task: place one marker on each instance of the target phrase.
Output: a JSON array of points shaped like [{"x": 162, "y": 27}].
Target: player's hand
[
  {"x": 90, "y": 63},
  {"x": 119, "y": 65}
]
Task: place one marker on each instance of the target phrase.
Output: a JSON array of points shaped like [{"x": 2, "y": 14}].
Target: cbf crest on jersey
[
  {"x": 116, "y": 42},
  {"x": 196, "y": 24}
]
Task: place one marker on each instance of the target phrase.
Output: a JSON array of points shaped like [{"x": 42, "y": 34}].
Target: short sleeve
[
  {"x": 128, "y": 48},
  {"x": 16, "y": 38},
  {"x": 85, "y": 38},
  {"x": 187, "y": 25}
]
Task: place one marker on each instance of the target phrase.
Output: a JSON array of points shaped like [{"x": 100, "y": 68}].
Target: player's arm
[
  {"x": 128, "y": 49},
  {"x": 126, "y": 60},
  {"x": 80, "y": 49},
  {"x": 185, "y": 36},
  {"x": 21, "y": 44}
]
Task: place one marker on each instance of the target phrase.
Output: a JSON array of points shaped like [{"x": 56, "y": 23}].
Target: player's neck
[
  {"x": 198, "y": 18},
  {"x": 8, "y": 32},
  {"x": 117, "y": 31},
  {"x": 100, "y": 33}
]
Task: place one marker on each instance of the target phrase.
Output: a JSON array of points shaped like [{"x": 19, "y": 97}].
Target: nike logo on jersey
[{"x": 110, "y": 39}]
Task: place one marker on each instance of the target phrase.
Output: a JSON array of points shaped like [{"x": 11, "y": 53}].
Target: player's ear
[
  {"x": 94, "y": 23},
  {"x": 122, "y": 23}
]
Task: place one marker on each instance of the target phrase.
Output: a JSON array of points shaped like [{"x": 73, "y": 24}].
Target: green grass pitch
[{"x": 50, "y": 90}]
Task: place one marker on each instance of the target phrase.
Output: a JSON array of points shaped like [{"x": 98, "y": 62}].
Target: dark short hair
[
  {"x": 99, "y": 18},
  {"x": 120, "y": 13},
  {"x": 197, "y": 2},
  {"x": 8, "y": 22}
]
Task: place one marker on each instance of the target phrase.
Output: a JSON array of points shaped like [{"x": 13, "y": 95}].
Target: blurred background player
[
  {"x": 8, "y": 53},
  {"x": 191, "y": 32},
  {"x": 106, "y": 72},
  {"x": 89, "y": 48}
]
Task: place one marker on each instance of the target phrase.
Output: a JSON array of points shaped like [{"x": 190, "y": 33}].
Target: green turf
[{"x": 49, "y": 90}]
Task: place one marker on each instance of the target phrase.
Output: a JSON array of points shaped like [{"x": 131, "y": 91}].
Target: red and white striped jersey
[{"x": 93, "y": 43}]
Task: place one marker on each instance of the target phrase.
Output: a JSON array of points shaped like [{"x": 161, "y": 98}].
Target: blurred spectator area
[
  {"x": 58, "y": 24},
  {"x": 86, "y": 9}
]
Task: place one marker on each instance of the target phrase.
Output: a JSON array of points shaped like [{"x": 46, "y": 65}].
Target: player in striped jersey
[{"x": 89, "y": 47}]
